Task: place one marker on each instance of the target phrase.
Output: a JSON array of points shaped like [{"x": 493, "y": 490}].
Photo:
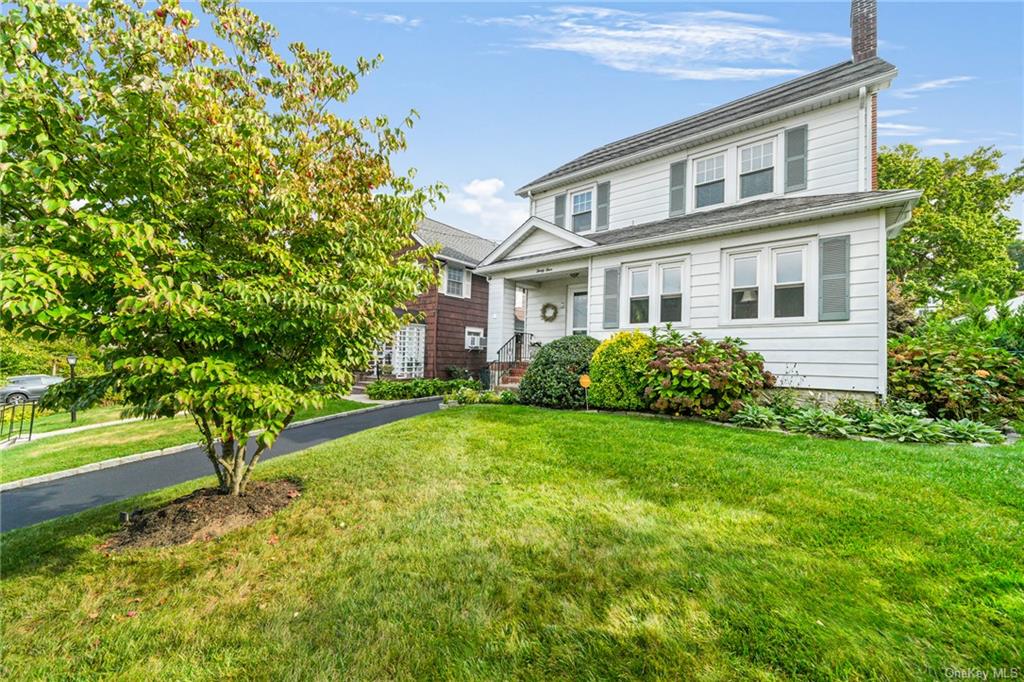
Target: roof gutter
[
  {"x": 909, "y": 197},
  {"x": 669, "y": 147}
]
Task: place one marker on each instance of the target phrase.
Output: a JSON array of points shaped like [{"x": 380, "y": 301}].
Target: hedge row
[{"x": 416, "y": 388}]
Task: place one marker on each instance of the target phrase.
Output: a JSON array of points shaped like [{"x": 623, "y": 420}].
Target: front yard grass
[
  {"x": 57, "y": 453},
  {"x": 510, "y": 542}
]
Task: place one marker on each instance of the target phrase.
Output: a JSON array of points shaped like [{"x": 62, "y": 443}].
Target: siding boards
[
  {"x": 826, "y": 355},
  {"x": 640, "y": 193}
]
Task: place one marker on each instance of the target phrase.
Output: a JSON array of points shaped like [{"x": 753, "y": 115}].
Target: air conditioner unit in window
[{"x": 476, "y": 342}]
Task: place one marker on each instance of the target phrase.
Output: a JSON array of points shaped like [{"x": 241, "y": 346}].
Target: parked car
[{"x": 27, "y": 387}]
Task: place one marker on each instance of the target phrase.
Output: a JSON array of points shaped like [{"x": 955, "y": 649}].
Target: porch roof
[{"x": 746, "y": 216}]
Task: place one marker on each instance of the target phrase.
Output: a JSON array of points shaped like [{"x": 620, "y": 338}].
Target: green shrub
[
  {"x": 456, "y": 372},
  {"x": 553, "y": 377},
  {"x": 819, "y": 422},
  {"x": 705, "y": 378},
  {"x": 471, "y": 396},
  {"x": 618, "y": 371},
  {"x": 509, "y": 398},
  {"x": 755, "y": 416},
  {"x": 955, "y": 381},
  {"x": 781, "y": 401},
  {"x": 905, "y": 428},
  {"x": 416, "y": 388},
  {"x": 967, "y": 431},
  {"x": 859, "y": 411}
]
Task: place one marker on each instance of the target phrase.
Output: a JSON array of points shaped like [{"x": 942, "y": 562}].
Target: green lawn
[
  {"x": 62, "y": 420},
  {"x": 508, "y": 542},
  {"x": 75, "y": 449}
]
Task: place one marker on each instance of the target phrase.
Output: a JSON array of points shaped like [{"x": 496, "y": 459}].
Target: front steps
[{"x": 511, "y": 380}]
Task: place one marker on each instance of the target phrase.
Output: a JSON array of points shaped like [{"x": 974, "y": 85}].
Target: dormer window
[
  {"x": 757, "y": 169},
  {"x": 582, "y": 211},
  {"x": 709, "y": 180}
]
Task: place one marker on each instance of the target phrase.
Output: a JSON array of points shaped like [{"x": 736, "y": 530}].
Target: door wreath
[{"x": 548, "y": 312}]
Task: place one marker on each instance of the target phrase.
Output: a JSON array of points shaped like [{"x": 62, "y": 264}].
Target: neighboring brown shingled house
[{"x": 450, "y": 337}]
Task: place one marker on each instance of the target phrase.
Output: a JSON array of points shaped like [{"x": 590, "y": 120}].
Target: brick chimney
[{"x": 864, "y": 29}]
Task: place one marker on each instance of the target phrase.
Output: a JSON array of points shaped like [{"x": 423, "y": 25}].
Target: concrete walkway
[{"x": 31, "y": 504}]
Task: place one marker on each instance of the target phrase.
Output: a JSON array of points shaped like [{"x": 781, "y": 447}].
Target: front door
[{"x": 577, "y": 306}]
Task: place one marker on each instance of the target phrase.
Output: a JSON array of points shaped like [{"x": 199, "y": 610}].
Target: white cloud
[
  {"x": 889, "y": 113},
  {"x": 495, "y": 215},
  {"x": 927, "y": 86},
  {"x": 392, "y": 19},
  {"x": 941, "y": 141},
  {"x": 709, "y": 45},
  {"x": 901, "y": 129}
]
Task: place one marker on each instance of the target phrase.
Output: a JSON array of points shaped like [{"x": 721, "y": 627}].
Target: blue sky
[{"x": 509, "y": 91}]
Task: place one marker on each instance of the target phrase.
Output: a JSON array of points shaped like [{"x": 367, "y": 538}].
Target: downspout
[{"x": 862, "y": 126}]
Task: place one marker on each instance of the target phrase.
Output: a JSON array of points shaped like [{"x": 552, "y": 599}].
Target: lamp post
[{"x": 72, "y": 361}]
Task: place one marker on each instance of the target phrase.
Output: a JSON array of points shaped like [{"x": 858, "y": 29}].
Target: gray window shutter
[
  {"x": 560, "y": 210},
  {"x": 834, "y": 278},
  {"x": 677, "y": 189},
  {"x": 604, "y": 190},
  {"x": 610, "y": 318},
  {"x": 796, "y": 159}
]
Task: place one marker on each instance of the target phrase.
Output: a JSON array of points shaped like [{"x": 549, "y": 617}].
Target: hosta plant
[
  {"x": 968, "y": 431},
  {"x": 819, "y": 422},
  {"x": 755, "y": 416},
  {"x": 905, "y": 428}
]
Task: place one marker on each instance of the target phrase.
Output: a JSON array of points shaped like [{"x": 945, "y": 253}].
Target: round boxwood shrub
[
  {"x": 553, "y": 377},
  {"x": 618, "y": 370}
]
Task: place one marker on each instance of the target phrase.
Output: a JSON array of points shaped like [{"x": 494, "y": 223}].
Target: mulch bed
[{"x": 202, "y": 515}]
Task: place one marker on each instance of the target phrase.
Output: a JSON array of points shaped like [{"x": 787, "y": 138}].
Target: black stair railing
[
  {"x": 518, "y": 349},
  {"x": 17, "y": 421}
]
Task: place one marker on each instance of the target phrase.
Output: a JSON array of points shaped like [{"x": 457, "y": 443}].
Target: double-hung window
[
  {"x": 455, "y": 280},
  {"x": 789, "y": 282},
  {"x": 639, "y": 295},
  {"x": 582, "y": 211},
  {"x": 671, "y": 293},
  {"x": 709, "y": 180},
  {"x": 745, "y": 288},
  {"x": 757, "y": 169}
]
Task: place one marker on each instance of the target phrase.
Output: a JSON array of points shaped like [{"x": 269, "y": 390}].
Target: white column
[{"x": 501, "y": 302}]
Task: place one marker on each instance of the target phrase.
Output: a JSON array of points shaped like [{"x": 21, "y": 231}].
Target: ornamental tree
[
  {"x": 958, "y": 242},
  {"x": 199, "y": 211}
]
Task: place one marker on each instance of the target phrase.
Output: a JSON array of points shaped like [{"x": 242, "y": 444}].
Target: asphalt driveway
[{"x": 25, "y": 506}]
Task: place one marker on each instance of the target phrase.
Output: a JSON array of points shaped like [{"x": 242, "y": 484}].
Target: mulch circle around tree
[{"x": 202, "y": 515}]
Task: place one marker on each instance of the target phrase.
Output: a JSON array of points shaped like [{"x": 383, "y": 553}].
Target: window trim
[
  {"x": 467, "y": 281},
  {"x": 766, "y": 253},
  {"x": 724, "y": 152},
  {"x": 592, "y": 188},
  {"x": 773, "y": 141},
  {"x": 775, "y": 253},
  {"x": 654, "y": 290},
  {"x": 661, "y": 267}
]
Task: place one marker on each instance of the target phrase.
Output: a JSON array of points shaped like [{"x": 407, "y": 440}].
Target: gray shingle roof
[
  {"x": 455, "y": 243},
  {"x": 817, "y": 83},
  {"x": 753, "y": 210},
  {"x": 783, "y": 208}
]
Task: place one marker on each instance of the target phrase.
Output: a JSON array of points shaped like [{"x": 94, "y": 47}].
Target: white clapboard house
[{"x": 758, "y": 219}]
